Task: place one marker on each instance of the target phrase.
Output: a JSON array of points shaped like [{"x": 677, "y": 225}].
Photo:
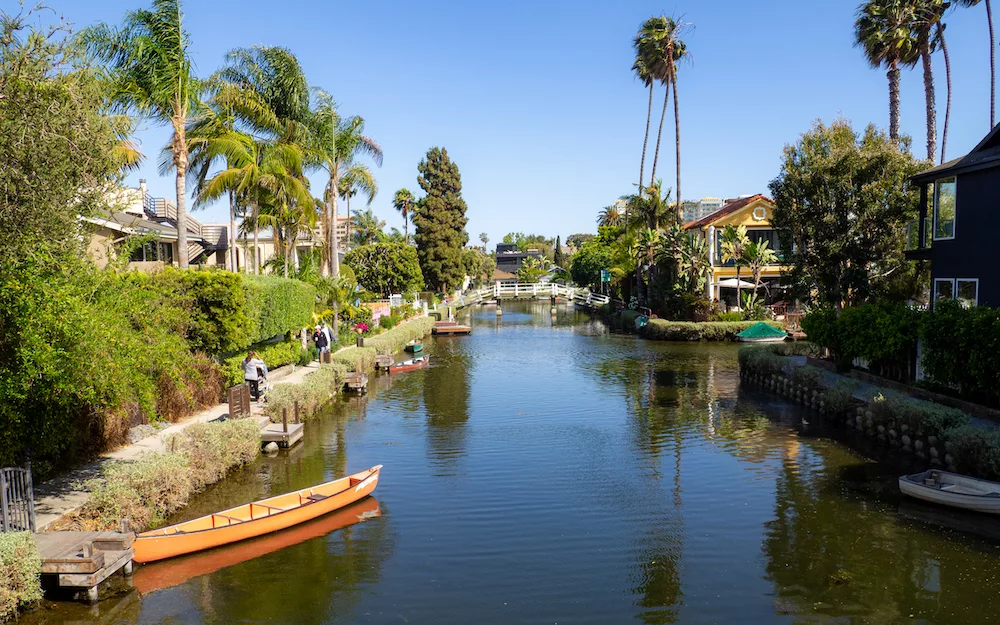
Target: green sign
[{"x": 605, "y": 275}]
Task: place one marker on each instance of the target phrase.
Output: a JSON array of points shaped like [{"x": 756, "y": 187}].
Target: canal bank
[{"x": 543, "y": 469}]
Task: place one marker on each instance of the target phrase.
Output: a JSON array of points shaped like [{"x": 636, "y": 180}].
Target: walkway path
[{"x": 63, "y": 495}]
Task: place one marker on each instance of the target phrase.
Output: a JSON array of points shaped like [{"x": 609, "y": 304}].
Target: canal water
[{"x": 543, "y": 470}]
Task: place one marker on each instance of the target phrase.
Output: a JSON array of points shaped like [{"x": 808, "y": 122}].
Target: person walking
[
  {"x": 325, "y": 329},
  {"x": 322, "y": 344},
  {"x": 253, "y": 369}
]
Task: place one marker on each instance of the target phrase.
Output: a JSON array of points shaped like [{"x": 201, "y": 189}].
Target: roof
[
  {"x": 132, "y": 224},
  {"x": 984, "y": 156},
  {"x": 726, "y": 210},
  {"x": 499, "y": 274}
]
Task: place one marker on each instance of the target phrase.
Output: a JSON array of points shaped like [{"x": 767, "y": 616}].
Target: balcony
[{"x": 915, "y": 248}]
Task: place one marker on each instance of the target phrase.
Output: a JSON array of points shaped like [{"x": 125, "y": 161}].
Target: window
[
  {"x": 944, "y": 209},
  {"x": 967, "y": 291},
  {"x": 944, "y": 289}
]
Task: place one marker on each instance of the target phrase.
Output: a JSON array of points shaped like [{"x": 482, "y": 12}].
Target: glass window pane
[
  {"x": 944, "y": 289},
  {"x": 968, "y": 292},
  {"x": 944, "y": 209}
]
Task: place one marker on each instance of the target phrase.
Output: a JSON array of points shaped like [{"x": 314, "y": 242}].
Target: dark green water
[{"x": 543, "y": 471}]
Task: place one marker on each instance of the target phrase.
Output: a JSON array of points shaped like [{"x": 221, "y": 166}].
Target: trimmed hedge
[
  {"x": 278, "y": 305},
  {"x": 274, "y": 355},
  {"x": 884, "y": 335},
  {"x": 663, "y": 330},
  {"x": 20, "y": 573},
  {"x": 317, "y": 389}
]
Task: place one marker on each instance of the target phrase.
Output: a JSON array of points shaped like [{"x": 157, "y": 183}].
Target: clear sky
[{"x": 536, "y": 102}]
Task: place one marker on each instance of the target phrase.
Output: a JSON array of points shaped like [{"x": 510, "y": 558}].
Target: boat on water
[
  {"x": 254, "y": 519},
  {"x": 952, "y": 489},
  {"x": 761, "y": 332},
  {"x": 410, "y": 365},
  {"x": 177, "y": 571},
  {"x": 414, "y": 346}
]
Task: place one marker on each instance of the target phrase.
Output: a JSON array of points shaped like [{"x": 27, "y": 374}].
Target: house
[
  {"x": 156, "y": 218},
  {"x": 754, "y": 212},
  {"x": 509, "y": 258},
  {"x": 267, "y": 246},
  {"x": 957, "y": 225}
]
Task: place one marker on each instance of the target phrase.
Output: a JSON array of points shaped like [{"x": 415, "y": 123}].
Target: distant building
[
  {"x": 509, "y": 258},
  {"x": 695, "y": 210}
]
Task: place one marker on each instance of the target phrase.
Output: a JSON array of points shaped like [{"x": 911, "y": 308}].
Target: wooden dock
[
  {"x": 383, "y": 362},
  {"x": 450, "y": 328},
  {"x": 82, "y": 560},
  {"x": 357, "y": 382}
]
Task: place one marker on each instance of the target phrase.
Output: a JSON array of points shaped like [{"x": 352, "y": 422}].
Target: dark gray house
[
  {"x": 959, "y": 223},
  {"x": 509, "y": 259}
]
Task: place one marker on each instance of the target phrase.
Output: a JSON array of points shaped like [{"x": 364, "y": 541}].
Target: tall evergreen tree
[
  {"x": 440, "y": 221},
  {"x": 557, "y": 255}
]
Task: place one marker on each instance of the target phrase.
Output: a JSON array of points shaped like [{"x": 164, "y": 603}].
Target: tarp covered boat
[
  {"x": 761, "y": 332},
  {"x": 254, "y": 519}
]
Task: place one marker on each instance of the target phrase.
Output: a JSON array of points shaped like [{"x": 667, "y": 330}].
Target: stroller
[{"x": 262, "y": 385}]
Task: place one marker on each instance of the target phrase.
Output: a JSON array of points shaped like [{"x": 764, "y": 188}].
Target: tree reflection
[{"x": 446, "y": 402}]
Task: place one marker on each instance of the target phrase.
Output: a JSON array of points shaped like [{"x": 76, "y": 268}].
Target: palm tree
[
  {"x": 925, "y": 14},
  {"x": 151, "y": 76},
  {"x": 485, "y": 238},
  {"x": 609, "y": 216},
  {"x": 734, "y": 245},
  {"x": 882, "y": 30},
  {"x": 939, "y": 28},
  {"x": 655, "y": 46},
  {"x": 367, "y": 227},
  {"x": 642, "y": 73},
  {"x": 993, "y": 48},
  {"x": 335, "y": 145},
  {"x": 403, "y": 202},
  {"x": 680, "y": 53}
]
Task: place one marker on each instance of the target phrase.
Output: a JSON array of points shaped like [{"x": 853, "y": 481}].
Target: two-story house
[
  {"x": 959, "y": 219},
  {"x": 755, "y": 213}
]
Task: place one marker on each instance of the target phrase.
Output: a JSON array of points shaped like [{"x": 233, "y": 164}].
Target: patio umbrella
[{"x": 733, "y": 283}]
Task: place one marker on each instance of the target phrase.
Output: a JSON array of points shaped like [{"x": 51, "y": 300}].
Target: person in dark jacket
[{"x": 322, "y": 343}]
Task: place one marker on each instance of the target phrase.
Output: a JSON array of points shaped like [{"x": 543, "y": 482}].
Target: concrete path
[{"x": 64, "y": 494}]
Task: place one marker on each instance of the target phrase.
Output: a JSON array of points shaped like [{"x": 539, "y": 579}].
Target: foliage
[
  {"x": 922, "y": 417},
  {"x": 404, "y": 202},
  {"x": 143, "y": 492},
  {"x": 532, "y": 269},
  {"x": 841, "y": 201},
  {"x": 961, "y": 347},
  {"x": 367, "y": 228},
  {"x": 882, "y": 334},
  {"x": 315, "y": 390},
  {"x": 386, "y": 268},
  {"x": 759, "y": 359},
  {"x": 728, "y": 316},
  {"x": 976, "y": 450},
  {"x": 478, "y": 265},
  {"x": 440, "y": 221},
  {"x": 663, "y": 330},
  {"x": 594, "y": 255},
  {"x": 20, "y": 573},
  {"x": 57, "y": 149},
  {"x": 839, "y": 398},
  {"x": 557, "y": 255},
  {"x": 274, "y": 355},
  {"x": 277, "y": 306}
]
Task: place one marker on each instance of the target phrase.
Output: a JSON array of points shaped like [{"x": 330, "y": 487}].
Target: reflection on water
[{"x": 543, "y": 470}]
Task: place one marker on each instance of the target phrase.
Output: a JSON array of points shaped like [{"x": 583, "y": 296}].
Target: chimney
[{"x": 142, "y": 186}]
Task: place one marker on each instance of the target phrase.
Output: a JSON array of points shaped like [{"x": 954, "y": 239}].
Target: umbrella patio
[{"x": 733, "y": 283}]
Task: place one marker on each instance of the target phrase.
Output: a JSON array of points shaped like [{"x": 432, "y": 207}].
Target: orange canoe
[
  {"x": 254, "y": 519},
  {"x": 179, "y": 570}
]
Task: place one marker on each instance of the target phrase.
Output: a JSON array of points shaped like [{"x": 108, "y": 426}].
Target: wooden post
[
  {"x": 284, "y": 420},
  {"x": 296, "y": 411}
]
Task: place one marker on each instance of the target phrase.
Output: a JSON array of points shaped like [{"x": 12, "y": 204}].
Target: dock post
[
  {"x": 284, "y": 420},
  {"x": 92, "y": 594},
  {"x": 297, "y": 411}
]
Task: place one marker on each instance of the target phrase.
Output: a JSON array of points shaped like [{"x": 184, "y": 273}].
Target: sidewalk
[{"x": 64, "y": 494}]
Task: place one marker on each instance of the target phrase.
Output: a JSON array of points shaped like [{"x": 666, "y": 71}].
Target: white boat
[{"x": 952, "y": 489}]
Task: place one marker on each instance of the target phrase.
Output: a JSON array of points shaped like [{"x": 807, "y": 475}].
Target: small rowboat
[
  {"x": 761, "y": 332},
  {"x": 254, "y": 519},
  {"x": 952, "y": 489},
  {"x": 410, "y": 365},
  {"x": 414, "y": 347}
]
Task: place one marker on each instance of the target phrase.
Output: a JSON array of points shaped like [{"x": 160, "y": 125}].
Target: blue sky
[{"x": 536, "y": 103}]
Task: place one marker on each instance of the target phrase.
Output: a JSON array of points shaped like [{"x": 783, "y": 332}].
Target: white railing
[{"x": 576, "y": 295}]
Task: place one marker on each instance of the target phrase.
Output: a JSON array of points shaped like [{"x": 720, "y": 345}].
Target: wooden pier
[
  {"x": 450, "y": 328},
  {"x": 83, "y": 560},
  {"x": 357, "y": 382},
  {"x": 383, "y": 362},
  {"x": 283, "y": 434}
]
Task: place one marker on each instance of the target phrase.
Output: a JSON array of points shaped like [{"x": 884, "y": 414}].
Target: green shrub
[
  {"x": 386, "y": 268},
  {"x": 274, "y": 355},
  {"x": 759, "y": 359},
  {"x": 143, "y": 492},
  {"x": 20, "y": 573},
  {"x": 961, "y": 348},
  {"x": 923, "y": 418},
  {"x": 839, "y": 398},
  {"x": 884, "y": 335},
  {"x": 626, "y": 320},
  {"x": 278, "y": 306},
  {"x": 809, "y": 377},
  {"x": 388, "y": 322},
  {"x": 307, "y": 356},
  {"x": 728, "y": 316},
  {"x": 976, "y": 450},
  {"x": 316, "y": 389},
  {"x": 663, "y": 330}
]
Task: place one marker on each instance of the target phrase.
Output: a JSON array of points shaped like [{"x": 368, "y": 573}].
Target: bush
[
  {"x": 20, "y": 573},
  {"x": 386, "y": 268},
  {"x": 728, "y": 316},
  {"x": 923, "y": 418},
  {"x": 809, "y": 377},
  {"x": 317, "y": 388},
  {"x": 308, "y": 355},
  {"x": 884, "y": 335},
  {"x": 143, "y": 492},
  {"x": 663, "y": 330},
  {"x": 274, "y": 355},
  {"x": 976, "y": 450},
  {"x": 759, "y": 359},
  {"x": 839, "y": 398},
  {"x": 961, "y": 348},
  {"x": 278, "y": 306}
]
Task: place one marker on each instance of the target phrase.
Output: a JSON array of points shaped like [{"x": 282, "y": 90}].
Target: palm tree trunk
[
  {"x": 993, "y": 69},
  {"x": 334, "y": 241},
  {"x": 181, "y": 161},
  {"x": 256, "y": 241},
  {"x": 406, "y": 228},
  {"x": 656, "y": 154},
  {"x": 739, "y": 300},
  {"x": 893, "y": 76},
  {"x": 677, "y": 137},
  {"x": 947, "y": 74},
  {"x": 348, "y": 220},
  {"x": 645, "y": 139},
  {"x": 925, "y": 58},
  {"x": 232, "y": 232}
]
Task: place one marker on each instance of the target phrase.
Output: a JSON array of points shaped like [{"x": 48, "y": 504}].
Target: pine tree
[
  {"x": 440, "y": 221},
  {"x": 557, "y": 256}
]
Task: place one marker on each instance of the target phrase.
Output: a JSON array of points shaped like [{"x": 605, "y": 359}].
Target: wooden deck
[
  {"x": 450, "y": 327},
  {"x": 383, "y": 362},
  {"x": 285, "y": 435},
  {"x": 84, "y": 559},
  {"x": 356, "y": 381}
]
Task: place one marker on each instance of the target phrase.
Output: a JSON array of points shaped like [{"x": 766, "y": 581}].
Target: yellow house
[{"x": 755, "y": 213}]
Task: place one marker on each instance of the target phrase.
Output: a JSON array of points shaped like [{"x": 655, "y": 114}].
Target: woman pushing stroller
[{"x": 255, "y": 375}]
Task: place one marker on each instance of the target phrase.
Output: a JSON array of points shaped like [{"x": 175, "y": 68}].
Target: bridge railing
[{"x": 527, "y": 290}]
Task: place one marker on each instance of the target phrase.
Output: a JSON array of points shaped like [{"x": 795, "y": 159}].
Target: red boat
[{"x": 410, "y": 365}]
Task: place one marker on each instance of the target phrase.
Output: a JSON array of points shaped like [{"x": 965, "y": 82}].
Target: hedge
[
  {"x": 663, "y": 330},
  {"x": 315, "y": 390},
  {"x": 884, "y": 335},
  {"x": 274, "y": 355},
  {"x": 278, "y": 305},
  {"x": 20, "y": 573}
]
